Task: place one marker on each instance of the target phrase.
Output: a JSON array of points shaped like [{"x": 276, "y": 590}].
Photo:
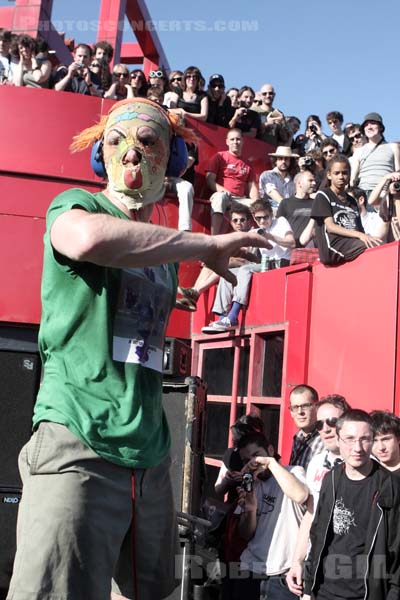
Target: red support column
[{"x": 111, "y": 24}]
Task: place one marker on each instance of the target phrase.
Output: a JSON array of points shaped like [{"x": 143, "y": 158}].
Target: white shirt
[{"x": 279, "y": 227}]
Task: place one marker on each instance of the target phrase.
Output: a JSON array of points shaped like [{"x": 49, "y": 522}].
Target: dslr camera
[
  {"x": 247, "y": 482},
  {"x": 396, "y": 186},
  {"x": 308, "y": 162},
  {"x": 313, "y": 128}
]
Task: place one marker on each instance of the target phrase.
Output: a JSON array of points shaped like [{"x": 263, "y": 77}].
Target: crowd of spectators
[
  {"x": 365, "y": 214},
  {"x": 308, "y": 526}
]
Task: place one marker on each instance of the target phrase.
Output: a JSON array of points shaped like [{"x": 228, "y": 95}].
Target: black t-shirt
[
  {"x": 333, "y": 248},
  {"x": 220, "y": 114},
  {"x": 77, "y": 83},
  {"x": 298, "y": 212},
  {"x": 250, "y": 120},
  {"x": 345, "y": 560}
]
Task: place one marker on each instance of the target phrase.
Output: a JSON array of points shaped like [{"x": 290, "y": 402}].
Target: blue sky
[{"x": 319, "y": 55}]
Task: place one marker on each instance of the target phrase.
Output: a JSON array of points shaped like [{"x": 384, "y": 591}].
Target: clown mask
[{"x": 136, "y": 153}]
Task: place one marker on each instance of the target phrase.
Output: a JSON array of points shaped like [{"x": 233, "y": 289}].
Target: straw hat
[{"x": 284, "y": 152}]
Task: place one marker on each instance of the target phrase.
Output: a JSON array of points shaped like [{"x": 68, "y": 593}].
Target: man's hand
[
  {"x": 247, "y": 500},
  {"x": 294, "y": 579},
  {"x": 232, "y": 477},
  {"x": 228, "y": 245},
  {"x": 369, "y": 240}
]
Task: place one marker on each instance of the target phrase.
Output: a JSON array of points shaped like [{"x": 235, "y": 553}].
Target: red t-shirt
[{"x": 232, "y": 173}]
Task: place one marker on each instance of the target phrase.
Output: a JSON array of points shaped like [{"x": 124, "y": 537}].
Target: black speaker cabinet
[
  {"x": 19, "y": 376},
  {"x": 184, "y": 405}
]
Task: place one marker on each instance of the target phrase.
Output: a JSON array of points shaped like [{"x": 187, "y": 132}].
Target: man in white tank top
[{"x": 376, "y": 158}]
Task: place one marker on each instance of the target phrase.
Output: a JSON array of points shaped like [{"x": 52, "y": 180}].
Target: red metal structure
[
  {"x": 34, "y": 18},
  {"x": 335, "y": 328}
]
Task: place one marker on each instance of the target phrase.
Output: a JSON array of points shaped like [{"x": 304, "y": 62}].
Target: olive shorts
[{"x": 78, "y": 527}]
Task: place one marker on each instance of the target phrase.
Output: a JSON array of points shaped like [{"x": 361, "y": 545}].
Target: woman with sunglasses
[
  {"x": 175, "y": 88},
  {"x": 194, "y": 101},
  {"x": 139, "y": 83},
  {"x": 120, "y": 89},
  {"x": 100, "y": 74}
]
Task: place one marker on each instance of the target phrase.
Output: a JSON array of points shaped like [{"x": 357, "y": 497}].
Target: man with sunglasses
[
  {"x": 230, "y": 299},
  {"x": 220, "y": 109},
  {"x": 329, "y": 409},
  {"x": 355, "y": 535},
  {"x": 274, "y": 127}
]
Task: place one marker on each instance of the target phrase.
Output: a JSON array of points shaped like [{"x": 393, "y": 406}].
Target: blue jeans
[{"x": 273, "y": 588}]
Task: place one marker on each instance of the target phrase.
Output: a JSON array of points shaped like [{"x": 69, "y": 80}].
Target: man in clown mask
[{"x": 97, "y": 502}]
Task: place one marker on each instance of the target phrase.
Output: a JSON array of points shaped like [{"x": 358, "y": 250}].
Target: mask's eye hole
[
  {"x": 146, "y": 136},
  {"x": 114, "y": 138}
]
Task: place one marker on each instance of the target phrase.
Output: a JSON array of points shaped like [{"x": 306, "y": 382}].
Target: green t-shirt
[{"x": 101, "y": 342}]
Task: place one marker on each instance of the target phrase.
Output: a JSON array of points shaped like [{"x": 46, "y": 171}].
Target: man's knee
[{"x": 220, "y": 202}]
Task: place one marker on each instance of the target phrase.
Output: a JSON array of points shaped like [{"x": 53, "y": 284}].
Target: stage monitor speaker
[
  {"x": 20, "y": 369},
  {"x": 19, "y": 376},
  {"x": 177, "y": 357},
  {"x": 184, "y": 406}
]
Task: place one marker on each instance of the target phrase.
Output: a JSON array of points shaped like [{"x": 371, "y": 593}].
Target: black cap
[{"x": 216, "y": 77}]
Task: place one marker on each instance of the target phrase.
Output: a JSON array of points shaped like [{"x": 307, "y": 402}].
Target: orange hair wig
[{"x": 90, "y": 135}]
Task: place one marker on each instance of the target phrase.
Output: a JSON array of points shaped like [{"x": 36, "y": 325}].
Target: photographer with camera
[
  {"x": 270, "y": 511},
  {"x": 244, "y": 118},
  {"x": 313, "y": 136},
  {"x": 385, "y": 198},
  {"x": 77, "y": 77}
]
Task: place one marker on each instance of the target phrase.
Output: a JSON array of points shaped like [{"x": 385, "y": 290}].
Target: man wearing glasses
[
  {"x": 329, "y": 410},
  {"x": 230, "y": 299},
  {"x": 355, "y": 536},
  {"x": 303, "y": 408},
  {"x": 274, "y": 127}
]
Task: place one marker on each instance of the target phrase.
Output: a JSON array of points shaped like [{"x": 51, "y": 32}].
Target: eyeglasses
[
  {"x": 176, "y": 79},
  {"x": 267, "y": 93},
  {"x": 136, "y": 76},
  {"x": 191, "y": 77},
  {"x": 158, "y": 74},
  {"x": 124, "y": 75},
  {"x": 240, "y": 220},
  {"x": 217, "y": 85},
  {"x": 356, "y": 136},
  {"x": 261, "y": 217},
  {"x": 330, "y": 421},
  {"x": 350, "y": 441},
  {"x": 326, "y": 152},
  {"x": 257, "y": 101},
  {"x": 300, "y": 407}
]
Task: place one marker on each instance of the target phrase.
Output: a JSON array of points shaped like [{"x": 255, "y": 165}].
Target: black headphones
[{"x": 178, "y": 157}]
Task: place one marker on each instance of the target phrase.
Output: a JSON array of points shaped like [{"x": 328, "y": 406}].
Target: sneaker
[{"x": 223, "y": 324}]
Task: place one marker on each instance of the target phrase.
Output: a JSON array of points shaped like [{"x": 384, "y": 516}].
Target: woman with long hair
[
  {"x": 139, "y": 83},
  {"x": 194, "y": 101}
]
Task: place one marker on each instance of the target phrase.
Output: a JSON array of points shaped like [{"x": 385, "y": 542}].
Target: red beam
[
  {"x": 6, "y": 17},
  {"x": 131, "y": 54},
  {"x": 111, "y": 24}
]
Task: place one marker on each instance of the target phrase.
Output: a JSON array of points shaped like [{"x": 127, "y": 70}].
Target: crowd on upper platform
[{"x": 364, "y": 210}]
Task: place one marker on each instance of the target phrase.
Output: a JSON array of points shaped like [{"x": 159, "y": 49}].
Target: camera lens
[{"x": 396, "y": 186}]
